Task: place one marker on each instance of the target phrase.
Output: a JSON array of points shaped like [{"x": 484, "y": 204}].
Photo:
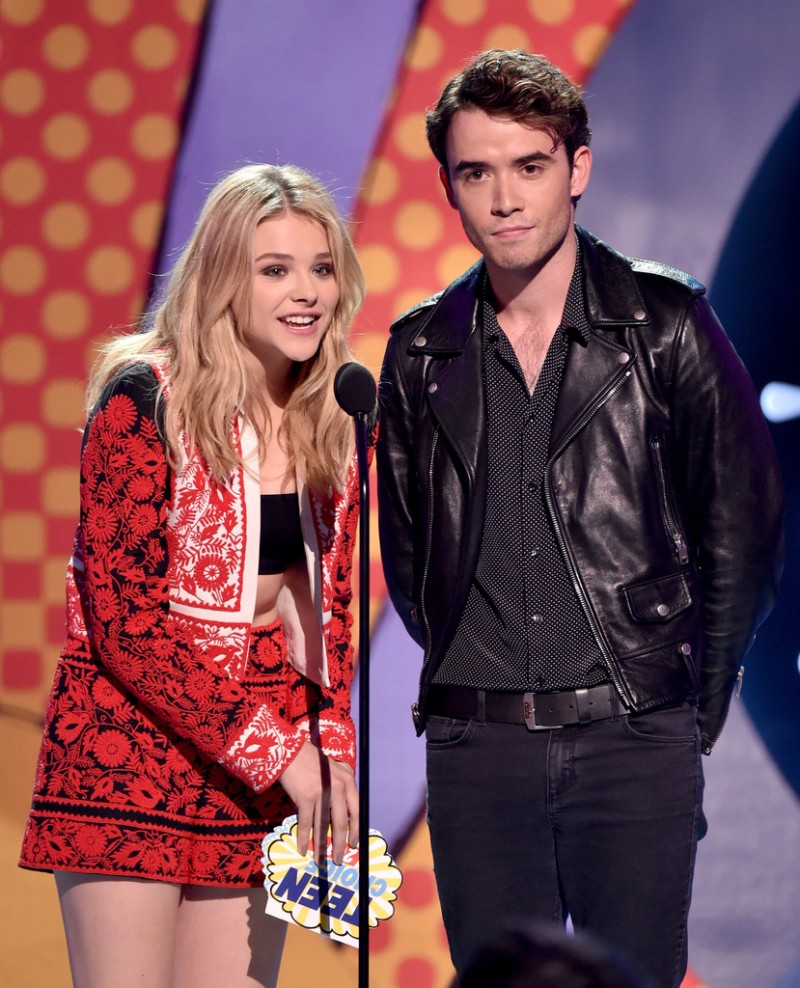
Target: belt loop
[
  {"x": 582, "y": 703},
  {"x": 481, "y": 711}
]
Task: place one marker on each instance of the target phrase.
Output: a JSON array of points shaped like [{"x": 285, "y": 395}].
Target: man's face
[{"x": 512, "y": 188}]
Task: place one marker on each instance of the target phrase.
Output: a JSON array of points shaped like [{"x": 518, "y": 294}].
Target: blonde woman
[{"x": 203, "y": 693}]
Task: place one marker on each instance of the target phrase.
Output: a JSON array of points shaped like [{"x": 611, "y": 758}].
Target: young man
[{"x": 581, "y": 524}]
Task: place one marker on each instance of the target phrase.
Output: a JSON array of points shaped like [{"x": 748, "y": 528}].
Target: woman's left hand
[
  {"x": 324, "y": 792},
  {"x": 344, "y": 808}
]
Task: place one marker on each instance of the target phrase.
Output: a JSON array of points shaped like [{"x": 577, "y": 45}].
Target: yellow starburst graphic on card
[{"x": 325, "y": 898}]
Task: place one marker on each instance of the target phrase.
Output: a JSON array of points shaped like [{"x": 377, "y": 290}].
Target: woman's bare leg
[
  {"x": 224, "y": 937},
  {"x": 120, "y": 931}
]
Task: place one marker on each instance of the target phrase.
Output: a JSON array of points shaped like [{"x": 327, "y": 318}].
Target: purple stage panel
[
  {"x": 684, "y": 104},
  {"x": 303, "y": 82},
  {"x": 397, "y": 755}
]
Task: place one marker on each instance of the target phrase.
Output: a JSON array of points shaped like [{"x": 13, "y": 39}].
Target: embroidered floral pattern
[
  {"x": 226, "y": 644},
  {"x": 119, "y": 793},
  {"x": 207, "y": 538},
  {"x": 338, "y": 740},
  {"x": 159, "y": 758},
  {"x": 263, "y": 750}
]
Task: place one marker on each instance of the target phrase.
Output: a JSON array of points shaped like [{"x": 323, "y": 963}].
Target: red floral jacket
[{"x": 162, "y": 587}]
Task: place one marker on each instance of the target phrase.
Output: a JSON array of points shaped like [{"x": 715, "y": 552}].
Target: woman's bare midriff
[{"x": 267, "y": 590}]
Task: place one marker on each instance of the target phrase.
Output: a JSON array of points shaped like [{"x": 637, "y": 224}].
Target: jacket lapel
[
  {"x": 592, "y": 373},
  {"x": 594, "y": 370},
  {"x": 450, "y": 335}
]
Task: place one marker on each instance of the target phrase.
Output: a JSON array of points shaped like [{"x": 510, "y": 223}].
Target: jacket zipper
[
  {"x": 713, "y": 738},
  {"x": 428, "y": 544},
  {"x": 737, "y": 692},
  {"x": 670, "y": 519},
  {"x": 577, "y": 585}
]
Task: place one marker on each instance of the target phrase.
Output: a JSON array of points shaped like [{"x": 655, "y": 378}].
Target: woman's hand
[{"x": 324, "y": 792}]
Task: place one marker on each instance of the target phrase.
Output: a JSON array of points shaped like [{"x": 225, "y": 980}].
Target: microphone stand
[
  {"x": 363, "y": 701},
  {"x": 355, "y": 391}
]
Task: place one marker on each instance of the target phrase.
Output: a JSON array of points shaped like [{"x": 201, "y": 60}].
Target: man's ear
[
  {"x": 581, "y": 169},
  {"x": 443, "y": 178}
]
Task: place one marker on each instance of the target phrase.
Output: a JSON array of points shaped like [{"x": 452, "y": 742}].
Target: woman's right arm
[{"x": 124, "y": 548}]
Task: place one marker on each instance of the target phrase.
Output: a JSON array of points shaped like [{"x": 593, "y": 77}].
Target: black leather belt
[{"x": 537, "y": 711}]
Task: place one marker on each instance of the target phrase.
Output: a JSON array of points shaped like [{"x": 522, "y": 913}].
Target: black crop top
[{"x": 281, "y": 537}]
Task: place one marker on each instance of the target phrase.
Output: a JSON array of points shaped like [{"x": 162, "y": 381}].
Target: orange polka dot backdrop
[{"x": 91, "y": 97}]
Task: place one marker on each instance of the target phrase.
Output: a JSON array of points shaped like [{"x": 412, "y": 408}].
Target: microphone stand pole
[{"x": 363, "y": 701}]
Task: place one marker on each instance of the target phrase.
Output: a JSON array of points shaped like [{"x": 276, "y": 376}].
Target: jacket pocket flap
[{"x": 658, "y": 600}]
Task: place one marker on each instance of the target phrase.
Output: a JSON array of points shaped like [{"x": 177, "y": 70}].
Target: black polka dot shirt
[{"x": 522, "y": 627}]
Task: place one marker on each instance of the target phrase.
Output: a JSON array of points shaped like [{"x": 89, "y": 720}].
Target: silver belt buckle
[{"x": 529, "y": 712}]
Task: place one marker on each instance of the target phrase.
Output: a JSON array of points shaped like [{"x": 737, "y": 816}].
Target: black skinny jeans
[{"x": 599, "y": 822}]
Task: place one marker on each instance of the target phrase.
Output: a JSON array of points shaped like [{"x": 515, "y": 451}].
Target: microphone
[{"x": 354, "y": 389}]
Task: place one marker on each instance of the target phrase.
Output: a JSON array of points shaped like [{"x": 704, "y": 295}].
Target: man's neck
[{"x": 535, "y": 297}]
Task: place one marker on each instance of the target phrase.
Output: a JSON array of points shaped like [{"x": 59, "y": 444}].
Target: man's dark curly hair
[{"x": 517, "y": 85}]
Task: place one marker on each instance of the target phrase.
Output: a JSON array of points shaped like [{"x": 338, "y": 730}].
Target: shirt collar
[
  {"x": 574, "y": 316},
  {"x": 573, "y": 319}
]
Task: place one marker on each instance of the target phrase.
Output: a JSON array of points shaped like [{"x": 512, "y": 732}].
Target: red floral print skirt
[{"x": 118, "y": 793}]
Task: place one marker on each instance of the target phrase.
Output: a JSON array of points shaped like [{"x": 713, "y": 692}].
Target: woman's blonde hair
[{"x": 196, "y": 332}]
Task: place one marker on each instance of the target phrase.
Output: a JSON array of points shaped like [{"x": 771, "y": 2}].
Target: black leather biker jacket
[{"x": 662, "y": 484}]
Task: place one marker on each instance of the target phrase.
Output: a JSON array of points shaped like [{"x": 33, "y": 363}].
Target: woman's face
[{"x": 294, "y": 293}]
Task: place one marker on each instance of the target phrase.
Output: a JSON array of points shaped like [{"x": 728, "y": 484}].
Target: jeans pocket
[
  {"x": 446, "y": 732},
  {"x": 670, "y": 725}
]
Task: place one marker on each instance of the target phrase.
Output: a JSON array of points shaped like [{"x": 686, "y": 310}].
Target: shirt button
[
  {"x": 433, "y": 388},
  {"x": 533, "y": 486},
  {"x": 537, "y": 618},
  {"x": 420, "y": 341},
  {"x": 535, "y": 551},
  {"x": 663, "y": 610}
]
